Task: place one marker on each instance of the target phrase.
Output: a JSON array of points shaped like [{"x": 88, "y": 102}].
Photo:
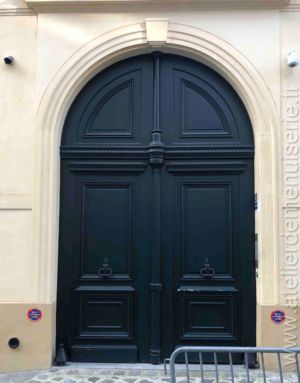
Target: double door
[{"x": 156, "y": 230}]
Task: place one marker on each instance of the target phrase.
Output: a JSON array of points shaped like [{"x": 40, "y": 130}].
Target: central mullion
[{"x": 156, "y": 161}]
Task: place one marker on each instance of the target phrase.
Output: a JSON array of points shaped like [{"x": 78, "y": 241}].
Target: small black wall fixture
[
  {"x": 8, "y": 60},
  {"x": 14, "y": 343}
]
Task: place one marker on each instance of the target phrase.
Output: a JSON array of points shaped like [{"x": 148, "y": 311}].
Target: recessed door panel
[
  {"x": 107, "y": 219},
  {"x": 112, "y": 114},
  {"x": 203, "y": 108},
  {"x": 206, "y": 225},
  {"x": 206, "y": 317},
  {"x": 202, "y": 113},
  {"x": 104, "y": 313},
  {"x": 112, "y": 107}
]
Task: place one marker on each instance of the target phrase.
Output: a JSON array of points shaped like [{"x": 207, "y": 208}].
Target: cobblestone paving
[{"x": 70, "y": 374}]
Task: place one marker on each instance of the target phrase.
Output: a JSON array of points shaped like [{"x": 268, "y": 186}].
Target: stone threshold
[{"x": 146, "y": 366}]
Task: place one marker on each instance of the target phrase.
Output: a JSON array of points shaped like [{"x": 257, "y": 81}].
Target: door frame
[{"x": 135, "y": 40}]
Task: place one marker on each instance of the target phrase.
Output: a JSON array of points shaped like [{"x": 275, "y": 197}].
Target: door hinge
[{"x": 255, "y": 201}]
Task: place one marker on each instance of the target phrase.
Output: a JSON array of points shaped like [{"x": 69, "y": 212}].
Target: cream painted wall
[
  {"x": 290, "y": 78},
  {"x": 17, "y": 84},
  {"x": 17, "y": 109},
  {"x": 17, "y": 263}
]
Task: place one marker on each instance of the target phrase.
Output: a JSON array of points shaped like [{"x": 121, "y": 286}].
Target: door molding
[{"x": 129, "y": 41}]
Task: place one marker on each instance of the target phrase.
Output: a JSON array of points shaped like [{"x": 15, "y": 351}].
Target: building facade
[{"x": 150, "y": 177}]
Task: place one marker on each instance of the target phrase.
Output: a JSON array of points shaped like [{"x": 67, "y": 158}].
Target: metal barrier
[{"x": 246, "y": 351}]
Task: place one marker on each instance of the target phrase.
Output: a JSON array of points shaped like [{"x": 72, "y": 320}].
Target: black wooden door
[{"x": 157, "y": 222}]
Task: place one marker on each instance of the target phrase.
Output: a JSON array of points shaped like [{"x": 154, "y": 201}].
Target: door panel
[
  {"x": 108, "y": 316},
  {"x": 107, "y": 220},
  {"x": 208, "y": 201},
  {"x": 205, "y": 223},
  {"x": 113, "y": 108},
  {"x": 156, "y": 245},
  {"x": 199, "y": 107},
  {"x": 104, "y": 312},
  {"x": 207, "y": 316}
]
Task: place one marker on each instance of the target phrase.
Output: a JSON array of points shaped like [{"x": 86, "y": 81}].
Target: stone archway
[{"x": 122, "y": 43}]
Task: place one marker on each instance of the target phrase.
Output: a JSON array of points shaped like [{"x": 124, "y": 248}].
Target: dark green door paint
[{"x": 156, "y": 180}]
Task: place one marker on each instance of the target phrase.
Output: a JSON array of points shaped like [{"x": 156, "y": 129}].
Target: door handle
[
  {"x": 105, "y": 271},
  {"x": 207, "y": 271}
]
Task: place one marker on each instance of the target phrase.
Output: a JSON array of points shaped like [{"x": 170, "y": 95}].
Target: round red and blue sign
[
  {"x": 278, "y": 316},
  {"x": 34, "y": 315}
]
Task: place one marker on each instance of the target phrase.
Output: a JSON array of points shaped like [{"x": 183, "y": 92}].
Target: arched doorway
[{"x": 157, "y": 213}]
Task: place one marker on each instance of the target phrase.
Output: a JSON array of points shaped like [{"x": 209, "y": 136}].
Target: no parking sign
[
  {"x": 278, "y": 316},
  {"x": 34, "y": 315}
]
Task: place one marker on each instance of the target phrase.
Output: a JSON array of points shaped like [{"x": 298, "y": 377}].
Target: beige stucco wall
[
  {"x": 45, "y": 42},
  {"x": 17, "y": 105}
]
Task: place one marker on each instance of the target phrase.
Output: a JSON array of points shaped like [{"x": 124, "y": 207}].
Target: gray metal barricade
[{"x": 187, "y": 352}]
